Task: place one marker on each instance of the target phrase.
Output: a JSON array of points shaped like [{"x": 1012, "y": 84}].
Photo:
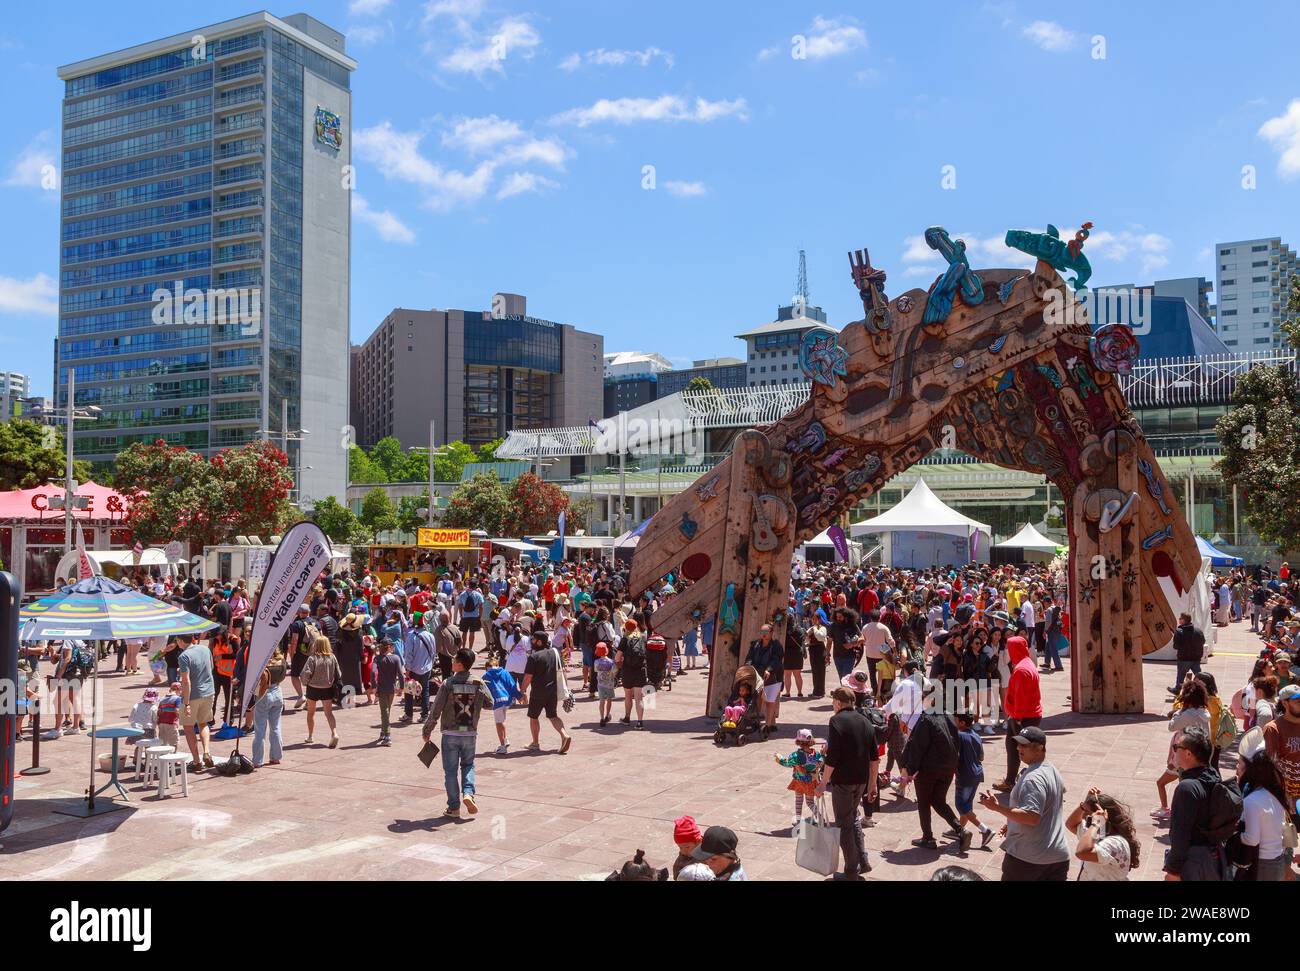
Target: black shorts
[
  {"x": 320, "y": 694},
  {"x": 296, "y": 664},
  {"x": 468, "y": 624},
  {"x": 537, "y": 703}
]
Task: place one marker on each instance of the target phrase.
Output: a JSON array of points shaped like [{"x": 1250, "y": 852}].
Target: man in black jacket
[
  {"x": 1189, "y": 643},
  {"x": 930, "y": 760},
  {"x": 1195, "y": 851},
  {"x": 852, "y": 757}
]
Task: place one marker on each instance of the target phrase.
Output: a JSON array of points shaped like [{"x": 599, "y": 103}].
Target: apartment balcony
[
  {"x": 232, "y": 124},
  {"x": 246, "y": 175},
  {"x": 252, "y": 68},
  {"x": 235, "y": 100},
  {"x": 249, "y": 152},
  {"x": 251, "y": 201}
]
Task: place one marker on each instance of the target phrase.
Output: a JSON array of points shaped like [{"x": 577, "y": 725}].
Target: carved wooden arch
[{"x": 992, "y": 376}]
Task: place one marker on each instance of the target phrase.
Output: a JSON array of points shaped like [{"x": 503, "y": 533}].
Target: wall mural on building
[{"x": 329, "y": 128}]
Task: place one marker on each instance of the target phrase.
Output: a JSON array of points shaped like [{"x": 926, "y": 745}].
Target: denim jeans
[
  {"x": 1051, "y": 652},
  {"x": 458, "y": 766},
  {"x": 843, "y": 664},
  {"x": 266, "y": 718},
  {"x": 1183, "y": 668}
]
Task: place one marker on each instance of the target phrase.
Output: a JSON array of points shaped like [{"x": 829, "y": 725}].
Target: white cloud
[
  {"x": 1151, "y": 250},
  {"x": 367, "y": 8},
  {"x": 389, "y": 227},
  {"x": 368, "y": 34},
  {"x": 626, "y": 111},
  {"x": 507, "y": 139},
  {"x": 397, "y": 156},
  {"x": 686, "y": 190},
  {"x": 1050, "y": 36},
  {"x": 618, "y": 58},
  {"x": 488, "y": 52},
  {"x": 28, "y": 168},
  {"x": 824, "y": 37},
  {"x": 37, "y": 296},
  {"x": 830, "y": 37},
  {"x": 461, "y": 12},
  {"x": 518, "y": 183},
  {"x": 1283, "y": 133}
]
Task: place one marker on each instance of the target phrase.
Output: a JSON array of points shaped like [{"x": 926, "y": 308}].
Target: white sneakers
[{"x": 503, "y": 748}]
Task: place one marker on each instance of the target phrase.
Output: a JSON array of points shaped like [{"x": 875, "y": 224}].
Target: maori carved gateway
[{"x": 976, "y": 355}]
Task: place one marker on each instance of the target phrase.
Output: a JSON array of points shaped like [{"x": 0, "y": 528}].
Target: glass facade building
[{"x": 185, "y": 165}]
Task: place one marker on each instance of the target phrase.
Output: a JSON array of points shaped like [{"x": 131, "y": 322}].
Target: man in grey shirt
[
  {"x": 1035, "y": 846},
  {"x": 199, "y": 691}
]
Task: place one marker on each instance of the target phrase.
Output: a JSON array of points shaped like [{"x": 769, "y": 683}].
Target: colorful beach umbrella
[{"x": 101, "y": 609}]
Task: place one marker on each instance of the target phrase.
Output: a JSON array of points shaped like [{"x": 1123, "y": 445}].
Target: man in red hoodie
[{"x": 1022, "y": 704}]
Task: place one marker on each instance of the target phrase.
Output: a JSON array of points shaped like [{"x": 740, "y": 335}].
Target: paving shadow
[
  {"x": 61, "y": 829},
  {"x": 430, "y": 825}
]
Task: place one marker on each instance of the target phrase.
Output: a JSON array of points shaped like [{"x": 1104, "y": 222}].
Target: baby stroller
[
  {"x": 657, "y": 671},
  {"x": 745, "y": 692}
]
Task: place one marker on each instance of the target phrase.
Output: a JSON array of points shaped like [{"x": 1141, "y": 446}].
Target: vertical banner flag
[
  {"x": 302, "y": 554},
  {"x": 85, "y": 569},
  {"x": 557, "y": 547},
  {"x": 836, "y": 534}
]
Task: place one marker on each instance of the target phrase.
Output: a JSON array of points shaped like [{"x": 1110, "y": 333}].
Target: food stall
[{"x": 435, "y": 551}]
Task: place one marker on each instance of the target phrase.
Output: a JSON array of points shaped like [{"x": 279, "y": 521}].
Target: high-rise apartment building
[
  {"x": 1254, "y": 285},
  {"x": 205, "y": 243},
  {"x": 478, "y": 375},
  {"x": 631, "y": 379}
]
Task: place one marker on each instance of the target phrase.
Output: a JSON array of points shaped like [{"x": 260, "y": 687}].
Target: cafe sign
[{"x": 443, "y": 539}]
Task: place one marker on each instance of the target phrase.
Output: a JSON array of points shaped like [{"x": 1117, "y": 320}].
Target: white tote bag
[
  {"x": 563, "y": 691},
  {"x": 818, "y": 846}
]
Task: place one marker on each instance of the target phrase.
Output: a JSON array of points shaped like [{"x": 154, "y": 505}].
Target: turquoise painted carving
[
  {"x": 959, "y": 277},
  {"x": 729, "y": 614},
  {"x": 1050, "y": 248},
  {"x": 1158, "y": 537},
  {"x": 1154, "y": 485},
  {"x": 1049, "y": 372},
  {"x": 688, "y": 526},
  {"x": 822, "y": 358}
]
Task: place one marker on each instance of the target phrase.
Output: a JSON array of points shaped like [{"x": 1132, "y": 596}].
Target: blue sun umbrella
[{"x": 100, "y": 609}]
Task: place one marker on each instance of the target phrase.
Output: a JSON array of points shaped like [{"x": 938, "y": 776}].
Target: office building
[
  {"x": 205, "y": 232},
  {"x": 631, "y": 379},
  {"x": 721, "y": 372},
  {"x": 1254, "y": 285},
  {"x": 772, "y": 350},
  {"x": 477, "y": 374}
]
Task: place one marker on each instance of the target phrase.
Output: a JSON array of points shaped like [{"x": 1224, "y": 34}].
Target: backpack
[
  {"x": 309, "y": 633},
  {"x": 81, "y": 664},
  {"x": 1226, "y": 730},
  {"x": 1224, "y": 812},
  {"x": 879, "y": 723}
]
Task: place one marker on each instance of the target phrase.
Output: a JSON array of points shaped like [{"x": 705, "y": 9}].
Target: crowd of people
[{"x": 928, "y": 664}]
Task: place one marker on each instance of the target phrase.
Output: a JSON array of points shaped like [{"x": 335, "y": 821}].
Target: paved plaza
[{"x": 361, "y": 812}]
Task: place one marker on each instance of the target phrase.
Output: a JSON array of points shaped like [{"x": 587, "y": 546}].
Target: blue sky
[{"x": 502, "y": 145}]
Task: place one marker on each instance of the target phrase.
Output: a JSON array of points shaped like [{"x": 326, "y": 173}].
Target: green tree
[
  {"x": 378, "y": 514},
  {"x": 700, "y": 383},
  {"x": 389, "y": 459},
  {"x": 32, "y": 454},
  {"x": 1261, "y": 443},
  {"x": 481, "y": 502},
  {"x": 409, "y": 517},
  {"x": 451, "y": 461},
  {"x": 337, "y": 521},
  {"x": 361, "y": 471},
  {"x": 487, "y": 452}
]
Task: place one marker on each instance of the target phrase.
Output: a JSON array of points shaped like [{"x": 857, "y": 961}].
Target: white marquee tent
[
  {"x": 1030, "y": 540},
  {"x": 921, "y": 528}
]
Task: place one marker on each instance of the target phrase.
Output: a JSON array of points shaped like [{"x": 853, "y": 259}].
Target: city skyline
[{"x": 476, "y": 173}]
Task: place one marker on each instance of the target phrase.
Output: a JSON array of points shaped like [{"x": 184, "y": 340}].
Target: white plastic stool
[
  {"x": 140, "y": 745},
  {"x": 151, "y": 756},
  {"x": 166, "y": 765}
]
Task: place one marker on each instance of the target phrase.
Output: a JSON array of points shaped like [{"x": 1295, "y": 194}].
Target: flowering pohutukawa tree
[
  {"x": 535, "y": 506},
  {"x": 177, "y": 494}
]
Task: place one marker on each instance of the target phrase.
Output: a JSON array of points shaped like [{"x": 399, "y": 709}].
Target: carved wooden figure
[{"x": 1010, "y": 388}]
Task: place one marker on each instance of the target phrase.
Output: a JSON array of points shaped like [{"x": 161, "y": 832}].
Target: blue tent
[{"x": 1217, "y": 557}]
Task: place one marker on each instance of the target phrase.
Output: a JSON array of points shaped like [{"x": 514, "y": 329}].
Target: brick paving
[{"x": 367, "y": 813}]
